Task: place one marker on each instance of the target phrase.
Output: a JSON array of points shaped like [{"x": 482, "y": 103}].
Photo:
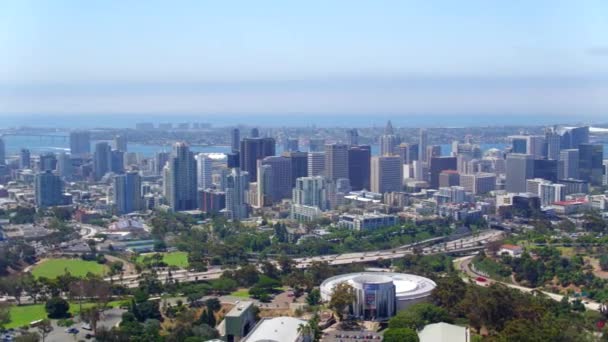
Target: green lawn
[
  {"x": 242, "y": 293},
  {"x": 53, "y": 268},
  {"x": 24, "y": 314},
  {"x": 179, "y": 259}
]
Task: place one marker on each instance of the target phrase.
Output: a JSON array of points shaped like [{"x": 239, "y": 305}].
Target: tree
[
  {"x": 418, "y": 315},
  {"x": 57, "y": 308},
  {"x": 5, "y": 315},
  {"x": 342, "y": 296},
  {"x": 400, "y": 335},
  {"x": 314, "y": 297},
  {"x": 604, "y": 262},
  {"x": 44, "y": 328},
  {"x": 91, "y": 315},
  {"x": 449, "y": 292},
  {"x": 213, "y": 304}
]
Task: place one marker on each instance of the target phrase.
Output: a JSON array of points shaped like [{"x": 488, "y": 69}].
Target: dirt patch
[{"x": 597, "y": 270}]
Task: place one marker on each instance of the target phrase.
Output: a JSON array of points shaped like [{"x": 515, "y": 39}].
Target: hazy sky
[{"x": 362, "y": 57}]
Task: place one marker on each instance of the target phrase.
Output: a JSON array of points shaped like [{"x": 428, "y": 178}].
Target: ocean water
[{"x": 60, "y": 143}]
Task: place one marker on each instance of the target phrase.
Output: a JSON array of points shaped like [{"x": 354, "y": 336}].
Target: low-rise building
[
  {"x": 512, "y": 250},
  {"x": 284, "y": 329},
  {"x": 367, "y": 221}
]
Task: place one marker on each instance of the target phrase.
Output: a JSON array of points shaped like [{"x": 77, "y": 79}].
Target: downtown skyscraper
[
  {"x": 80, "y": 143},
  {"x": 127, "y": 193},
  {"x": 180, "y": 179}
]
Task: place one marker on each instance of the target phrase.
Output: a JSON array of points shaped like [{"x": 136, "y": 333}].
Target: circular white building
[{"x": 380, "y": 294}]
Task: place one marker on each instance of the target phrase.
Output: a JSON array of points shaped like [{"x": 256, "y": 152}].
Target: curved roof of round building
[{"x": 407, "y": 286}]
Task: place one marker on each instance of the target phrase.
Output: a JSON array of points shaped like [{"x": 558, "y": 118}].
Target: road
[
  {"x": 471, "y": 243},
  {"x": 463, "y": 264}
]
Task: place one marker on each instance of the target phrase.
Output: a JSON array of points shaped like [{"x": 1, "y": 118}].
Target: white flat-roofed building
[
  {"x": 367, "y": 221},
  {"x": 277, "y": 329},
  {"x": 444, "y": 332}
]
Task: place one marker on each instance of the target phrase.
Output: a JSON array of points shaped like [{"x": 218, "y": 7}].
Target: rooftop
[{"x": 278, "y": 329}]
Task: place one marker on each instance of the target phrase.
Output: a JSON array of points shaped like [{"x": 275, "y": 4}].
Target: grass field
[
  {"x": 52, "y": 268},
  {"x": 23, "y": 315},
  {"x": 242, "y": 293},
  {"x": 179, "y": 259}
]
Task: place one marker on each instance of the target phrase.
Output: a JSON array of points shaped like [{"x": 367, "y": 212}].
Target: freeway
[{"x": 468, "y": 244}]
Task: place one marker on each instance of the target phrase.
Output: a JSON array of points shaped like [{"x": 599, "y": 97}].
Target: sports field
[
  {"x": 52, "y": 268},
  {"x": 179, "y": 259},
  {"x": 25, "y": 314}
]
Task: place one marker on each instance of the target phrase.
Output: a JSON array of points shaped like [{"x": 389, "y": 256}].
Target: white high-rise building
[
  {"x": 237, "y": 184},
  {"x": 204, "y": 166},
  {"x": 127, "y": 193},
  {"x": 388, "y": 141},
  {"x": 311, "y": 196}
]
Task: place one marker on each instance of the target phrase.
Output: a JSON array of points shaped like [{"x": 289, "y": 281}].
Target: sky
[{"x": 315, "y": 57}]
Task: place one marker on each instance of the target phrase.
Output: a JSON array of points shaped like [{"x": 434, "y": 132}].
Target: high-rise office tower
[
  {"x": 422, "y": 144},
  {"x": 536, "y": 146},
  {"x": 127, "y": 193},
  {"x": 255, "y": 133},
  {"x": 280, "y": 185},
  {"x": 253, "y": 149},
  {"x": 569, "y": 163},
  {"x": 263, "y": 186},
  {"x": 605, "y": 165},
  {"x": 316, "y": 145},
  {"x": 432, "y": 152},
  {"x": 299, "y": 165},
  {"x": 48, "y": 189},
  {"x": 291, "y": 145},
  {"x": 64, "y": 165},
  {"x": 478, "y": 183},
  {"x": 2, "y": 152},
  {"x": 437, "y": 165},
  {"x": 336, "y": 161},
  {"x": 80, "y": 143},
  {"x": 160, "y": 160},
  {"x": 590, "y": 163},
  {"x": 572, "y": 137},
  {"x": 386, "y": 174},
  {"x": 449, "y": 178},
  {"x": 120, "y": 143},
  {"x": 408, "y": 152},
  {"x": 359, "y": 159},
  {"x": 212, "y": 201},
  {"x": 25, "y": 161},
  {"x": 520, "y": 168},
  {"x": 235, "y": 139},
  {"x": 546, "y": 169},
  {"x": 117, "y": 163},
  {"x": 237, "y": 183},
  {"x": 352, "y": 137},
  {"x": 181, "y": 190},
  {"x": 102, "y": 159},
  {"x": 204, "y": 168},
  {"x": 519, "y": 144},
  {"x": 553, "y": 142},
  {"x": 316, "y": 164},
  {"x": 48, "y": 161},
  {"x": 388, "y": 141}
]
